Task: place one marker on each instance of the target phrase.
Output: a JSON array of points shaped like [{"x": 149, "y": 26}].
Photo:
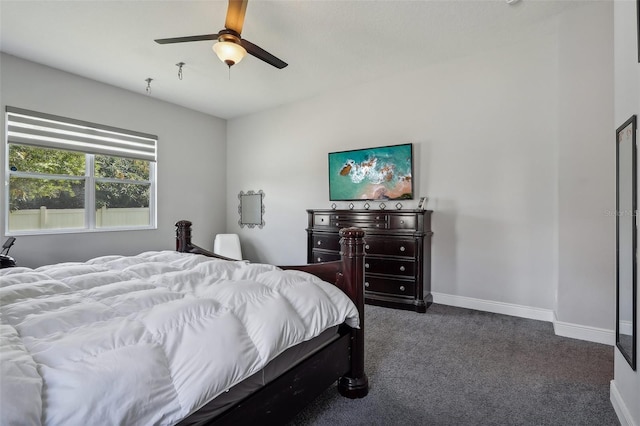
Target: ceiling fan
[{"x": 230, "y": 47}]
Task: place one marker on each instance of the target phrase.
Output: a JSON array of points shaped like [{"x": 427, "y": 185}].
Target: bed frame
[{"x": 342, "y": 360}]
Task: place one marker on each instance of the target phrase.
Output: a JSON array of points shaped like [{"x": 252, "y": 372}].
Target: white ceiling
[{"x": 328, "y": 44}]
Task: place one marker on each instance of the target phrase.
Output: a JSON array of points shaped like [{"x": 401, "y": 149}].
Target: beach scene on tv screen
[{"x": 382, "y": 173}]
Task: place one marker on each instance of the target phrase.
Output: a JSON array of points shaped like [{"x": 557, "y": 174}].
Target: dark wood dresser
[{"x": 397, "y": 248}]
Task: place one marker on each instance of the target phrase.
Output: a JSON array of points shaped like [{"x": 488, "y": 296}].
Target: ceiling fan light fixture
[{"x": 229, "y": 52}]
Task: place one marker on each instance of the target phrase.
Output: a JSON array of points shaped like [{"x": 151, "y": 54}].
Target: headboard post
[
  {"x": 183, "y": 236},
  {"x": 356, "y": 384}
]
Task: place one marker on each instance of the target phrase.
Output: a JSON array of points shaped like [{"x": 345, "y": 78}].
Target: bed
[{"x": 184, "y": 337}]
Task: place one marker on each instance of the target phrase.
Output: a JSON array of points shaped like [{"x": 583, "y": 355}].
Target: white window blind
[{"x": 44, "y": 130}]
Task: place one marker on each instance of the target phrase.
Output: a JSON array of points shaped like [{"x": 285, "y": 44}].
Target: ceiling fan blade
[
  {"x": 262, "y": 54},
  {"x": 235, "y": 15},
  {"x": 187, "y": 39}
]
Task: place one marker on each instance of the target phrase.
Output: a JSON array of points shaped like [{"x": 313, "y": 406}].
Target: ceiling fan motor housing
[{"x": 229, "y": 35}]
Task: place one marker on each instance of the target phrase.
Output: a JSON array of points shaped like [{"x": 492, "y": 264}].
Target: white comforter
[{"x": 147, "y": 339}]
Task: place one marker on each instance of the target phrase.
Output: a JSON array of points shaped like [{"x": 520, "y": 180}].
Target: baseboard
[
  {"x": 626, "y": 327},
  {"x": 583, "y": 332},
  {"x": 624, "y": 416},
  {"x": 495, "y": 307},
  {"x": 564, "y": 329}
]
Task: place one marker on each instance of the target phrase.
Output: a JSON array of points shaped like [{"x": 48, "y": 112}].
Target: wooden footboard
[{"x": 348, "y": 275}]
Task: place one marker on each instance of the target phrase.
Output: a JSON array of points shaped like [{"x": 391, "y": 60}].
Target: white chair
[{"x": 227, "y": 245}]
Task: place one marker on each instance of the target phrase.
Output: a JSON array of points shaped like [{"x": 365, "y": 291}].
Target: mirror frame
[
  {"x": 259, "y": 224},
  {"x": 624, "y": 350}
]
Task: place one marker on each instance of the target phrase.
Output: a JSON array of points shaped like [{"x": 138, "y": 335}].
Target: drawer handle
[
  {"x": 319, "y": 259},
  {"x": 402, "y": 268},
  {"x": 322, "y": 220},
  {"x": 401, "y": 288},
  {"x": 366, "y": 284},
  {"x": 337, "y": 224},
  {"x": 402, "y": 222},
  {"x": 401, "y": 247},
  {"x": 319, "y": 243},
  {"x": 367, "y": 246},
  {"x": 366, "y": 265},
  {"x": 377, "y": 225},
  {"x": 377, "y": 217}
]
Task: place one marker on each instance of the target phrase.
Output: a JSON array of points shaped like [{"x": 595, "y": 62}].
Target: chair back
[{"x": 228, "y": 245}]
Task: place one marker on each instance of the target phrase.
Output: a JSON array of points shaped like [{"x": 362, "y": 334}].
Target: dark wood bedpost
[
  {"x": 356, "y": 383},
  {"x": 183, "y": 236}
]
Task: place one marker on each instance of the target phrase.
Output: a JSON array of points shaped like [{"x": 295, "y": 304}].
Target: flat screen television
[{"x": 381, "y": 173}]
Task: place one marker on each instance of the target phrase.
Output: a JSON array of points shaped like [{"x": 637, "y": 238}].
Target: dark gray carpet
[{"x": 454, "y": 366}]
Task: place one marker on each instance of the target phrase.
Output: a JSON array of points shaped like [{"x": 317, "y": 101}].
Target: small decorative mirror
[
  {"x": 251, "y": 209},
  {"x": 626, "y": 241}
]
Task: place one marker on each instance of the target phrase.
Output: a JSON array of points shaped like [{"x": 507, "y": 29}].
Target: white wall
[
  {"x": 586, "y": 164},
  {"x": 483, "y": 131},
  {"x": 486, "y": 133},
  {"x": 191, "y": 159},
  {"x": 625, "y": 388}
]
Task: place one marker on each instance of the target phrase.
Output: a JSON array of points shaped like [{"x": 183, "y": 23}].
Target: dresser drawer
[
  {"x": 322, "y": 220},
  {"x": 324, "y": 256},
  {"x": 326, "y": 242},
  {"x": 390, "y": 286},
  {"x": 360, "y": 222},
  {"x": 403, "y": 222},
  {"x": 390, "y": 267},
  {"x": 390, "y": 247},
  {"x": 360, "y": 217}
]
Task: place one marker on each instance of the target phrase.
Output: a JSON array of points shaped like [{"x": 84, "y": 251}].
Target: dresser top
[{"x": 359, "y": 211}]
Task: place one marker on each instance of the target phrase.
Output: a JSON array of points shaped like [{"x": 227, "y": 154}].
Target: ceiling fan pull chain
[{"x": 180, "y": 65}]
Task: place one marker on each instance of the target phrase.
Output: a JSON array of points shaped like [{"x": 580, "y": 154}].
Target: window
[{"x": 67, "y": 175}]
